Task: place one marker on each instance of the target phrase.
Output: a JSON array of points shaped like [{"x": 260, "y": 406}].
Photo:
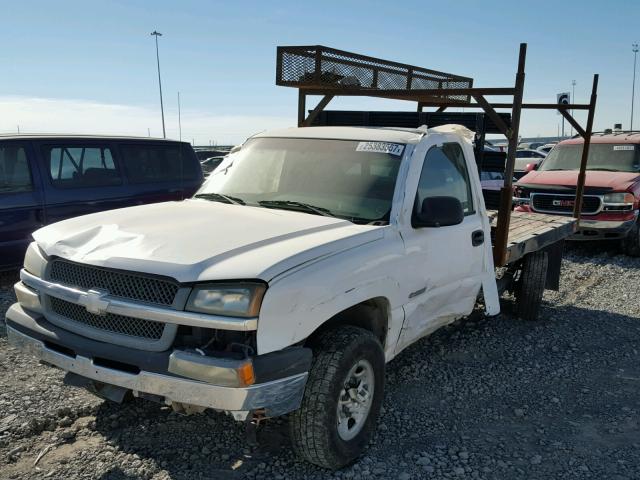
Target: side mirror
[
  {"x": 531, "y": 167},
  {"x": 438, "y": 212}
]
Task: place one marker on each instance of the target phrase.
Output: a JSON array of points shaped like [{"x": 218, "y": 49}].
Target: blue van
[{"x": 48, "y": 178}]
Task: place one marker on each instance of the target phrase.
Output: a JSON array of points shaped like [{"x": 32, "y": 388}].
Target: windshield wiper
[
  {"x": 219, "y": 197},
  {"x": 293, "y": 205},
  {"x": 603, "y": 169}
]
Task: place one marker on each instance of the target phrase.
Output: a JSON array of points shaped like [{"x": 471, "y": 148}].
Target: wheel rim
[{"x": 355, "y": 399}]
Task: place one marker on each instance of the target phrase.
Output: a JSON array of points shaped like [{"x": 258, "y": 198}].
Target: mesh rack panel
[
  {"x": 133, "y": 327},
  {"x": 119, "y": 284},
  {"x": 328, "y": 68}
]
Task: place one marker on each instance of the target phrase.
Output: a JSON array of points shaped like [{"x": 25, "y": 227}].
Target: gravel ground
[{"x": 484, "y": 398}]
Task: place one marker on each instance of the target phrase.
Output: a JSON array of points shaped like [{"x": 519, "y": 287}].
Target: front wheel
[{"x": 342, "y": 399}]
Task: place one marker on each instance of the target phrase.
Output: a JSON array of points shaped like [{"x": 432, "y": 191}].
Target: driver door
[{"x": 444, "y": 264}]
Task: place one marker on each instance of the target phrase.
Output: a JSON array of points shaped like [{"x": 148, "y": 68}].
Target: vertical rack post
[
  {"x": 577, "y": 207},
  {"x": 302, "y": 100},
  {"x": 506, "y": 193}
]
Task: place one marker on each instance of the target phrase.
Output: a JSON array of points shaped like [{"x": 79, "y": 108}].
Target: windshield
[
  {"x": 343, "y": 178},
  {"x": 607, "y": 157}
]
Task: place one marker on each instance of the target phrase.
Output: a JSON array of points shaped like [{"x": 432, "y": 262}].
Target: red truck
[{"x": 612, "y": 188}]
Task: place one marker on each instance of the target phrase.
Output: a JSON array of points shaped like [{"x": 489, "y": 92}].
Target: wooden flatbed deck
[{"x": 529, "y": 232}]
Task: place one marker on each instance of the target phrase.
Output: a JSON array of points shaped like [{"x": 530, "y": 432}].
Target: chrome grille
[
  {"x": 118, "y": 284},
  {"x": 133, "y": 327},
  {"x": 554, "y": 203}
]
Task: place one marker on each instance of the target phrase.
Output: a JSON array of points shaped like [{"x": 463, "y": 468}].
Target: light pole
[
  {"x": 634, "y": 49},
  {"x": 573, "y": 99},
  {"x": 158, "y": 34}
]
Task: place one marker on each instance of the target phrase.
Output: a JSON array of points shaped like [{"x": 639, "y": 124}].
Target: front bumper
[
  {"x": 602, "y": 229},
  {"x": 30, "y": 332}
]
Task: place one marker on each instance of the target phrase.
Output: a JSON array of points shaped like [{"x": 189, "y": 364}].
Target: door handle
[{"x": 477, "y": 238}]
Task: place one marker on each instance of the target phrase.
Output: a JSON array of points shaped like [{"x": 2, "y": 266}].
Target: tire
[
  {"x": 315, "y": 434},
  {"x": 631, "y": 243},
  {"x": 530, "y": 286}
]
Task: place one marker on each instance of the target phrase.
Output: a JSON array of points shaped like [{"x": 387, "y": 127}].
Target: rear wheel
[
  {"x": 631, "y": 243},
  {"x": 530, "y": 285},
  {"x": 342, "y": 399}
]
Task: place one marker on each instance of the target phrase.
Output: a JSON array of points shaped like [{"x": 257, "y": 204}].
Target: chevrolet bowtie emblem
[{"x": 95, "y": 302}]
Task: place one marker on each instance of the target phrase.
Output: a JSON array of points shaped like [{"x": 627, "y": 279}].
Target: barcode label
[
  {"x": 624, "y": 147},
  {"x": 381, "y": 147}
]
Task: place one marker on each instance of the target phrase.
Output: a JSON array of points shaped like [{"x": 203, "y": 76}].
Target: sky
[{"x": 90, "y": 67}]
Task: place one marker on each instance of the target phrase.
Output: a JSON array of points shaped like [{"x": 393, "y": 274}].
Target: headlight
[
  {"x": 35, "y": 261},
  {"x": 232, "y": 300},
  {"x": 619, "y": 198}
]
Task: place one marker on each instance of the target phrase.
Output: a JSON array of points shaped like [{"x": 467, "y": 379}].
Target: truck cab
[
  {"x": 612, "y": 188},
  {"x": 305, "y": 262}
]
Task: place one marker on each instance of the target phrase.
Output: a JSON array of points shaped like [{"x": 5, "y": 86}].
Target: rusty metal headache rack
[
  {"x": 327, "y": 72},
  {"x": 327, "y": 68}
]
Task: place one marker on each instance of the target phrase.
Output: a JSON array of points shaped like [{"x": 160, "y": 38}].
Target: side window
[
  {"x": 444, "y": 174},
  {"x": 15, "y": 174},
  {"x": 74, "y": 166},
  {"x": 158, "y": 163}
]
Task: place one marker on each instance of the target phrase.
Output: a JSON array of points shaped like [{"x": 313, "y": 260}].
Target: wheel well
[{"x": 372, "y": 315}]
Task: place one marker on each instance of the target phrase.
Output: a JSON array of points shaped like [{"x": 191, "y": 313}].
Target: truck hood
[
  {"x": 569, "y": 178},
  {"x": 200, "y": 240}
]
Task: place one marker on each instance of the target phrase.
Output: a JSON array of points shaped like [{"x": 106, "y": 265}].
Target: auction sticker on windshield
[
  {"x": 623, "y": 147},
  {"x": 381, "y": 147}
]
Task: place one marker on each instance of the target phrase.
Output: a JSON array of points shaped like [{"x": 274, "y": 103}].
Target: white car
[
  {"x": 308, "y": 259},
  {"x": 546, "y": 148},
  {"x": 526, "y": 157}
]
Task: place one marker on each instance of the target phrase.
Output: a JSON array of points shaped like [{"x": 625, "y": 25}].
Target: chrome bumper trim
[
  {"x": 606, "y": 224},
  {"x": 277, "y": 397},
  {"x": 139, "y": 310}
]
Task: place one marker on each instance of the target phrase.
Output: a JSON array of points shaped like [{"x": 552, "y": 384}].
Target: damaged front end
[
  {"x": 121, "y": 333},
  {"x": 185, "y": 379}
]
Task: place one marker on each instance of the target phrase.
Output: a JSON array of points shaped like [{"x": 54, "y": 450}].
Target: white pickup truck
[{"x": 307, "y": 260}]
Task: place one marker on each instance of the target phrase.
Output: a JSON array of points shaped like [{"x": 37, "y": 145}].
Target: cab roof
[
  {"x": 373, "y": 134},
  {"x": 606, "y": 138}
]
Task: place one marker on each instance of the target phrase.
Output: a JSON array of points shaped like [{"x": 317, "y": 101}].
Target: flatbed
[{"x": 530, "y": 232}]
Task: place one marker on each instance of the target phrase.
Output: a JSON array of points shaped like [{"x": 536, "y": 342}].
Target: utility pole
[
  {"x": 179, "y": 119},
  {"x": 573, "y": 100},
  {"x": 158, "y": 34},
  {"x": 634, "y": 49},
  {"x": 148, "y": 132}
]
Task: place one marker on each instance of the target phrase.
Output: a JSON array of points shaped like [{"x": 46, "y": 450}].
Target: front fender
[{"x": 298, "y": 303}]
